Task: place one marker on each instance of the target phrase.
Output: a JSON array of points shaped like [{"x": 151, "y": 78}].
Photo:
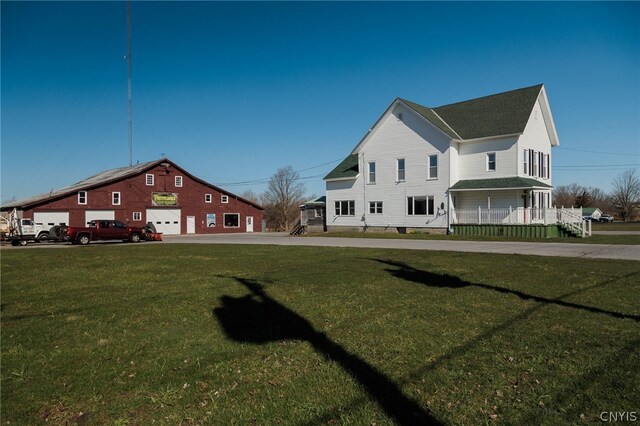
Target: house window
[
  {"x": 400, "y": 170},
  {"x": 372, "y": 172},
  {"x": 491, "y": 162},
  {"x": 178, "y": 181},
  {"x": 544, "y": 165},
  {"x": 231, "y": 220},
  {"x": 345, "y": 208},
  {"x": 375, "y": 207},
  {"x": 432, "y": 161},
  {"x": 535, "y": 164},
  {"x": 82, "y": 197},
  {"x": 150, "y": 180},
  {"x": 137, "y": 216},
  {"x": 317, "y": 212},
  {"x": 420, "y": 206},
  {"x": 526, "y": 162},
  {"x": 115, "y": 198},
  {"x": 224, "y": 199},
  {"x": 207, "y": 198},
  {"x": 548, "y": 166}
]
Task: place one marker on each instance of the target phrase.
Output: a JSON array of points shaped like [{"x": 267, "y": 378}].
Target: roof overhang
[
  {"x": 499, "y": 184},
  {"x": 342, "y": 178}
]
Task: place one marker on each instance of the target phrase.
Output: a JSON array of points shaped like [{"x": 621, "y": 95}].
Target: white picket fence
[{"x": 569, "y": 217}]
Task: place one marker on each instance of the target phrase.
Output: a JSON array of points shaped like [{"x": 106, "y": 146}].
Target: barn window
[
  {"x": 137, "y": 216},
  {"x": 115, "y": 198},
  {"x": 224, "y": 199},
  {"x": 150, "y": 180},
  {"x": 82, "y": 197},
  {"x": 231, "y": 220},
  {"x": 178, "y": 181},
  {"x": 207, "y": 198}
]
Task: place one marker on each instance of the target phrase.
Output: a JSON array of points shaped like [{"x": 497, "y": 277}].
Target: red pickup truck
[{"x": 101, "y": 230}]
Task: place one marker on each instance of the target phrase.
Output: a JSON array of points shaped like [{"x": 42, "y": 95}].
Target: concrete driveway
[{"x": 593, "y": 251}]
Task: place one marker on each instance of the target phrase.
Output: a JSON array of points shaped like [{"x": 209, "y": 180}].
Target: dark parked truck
[{"x": 102, "y": 230}]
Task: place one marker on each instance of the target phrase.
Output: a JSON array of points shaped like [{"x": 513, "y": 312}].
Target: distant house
[
  {"x": 421, "y": 167},
  {"x": 591, "y": 213},
  {"x": 160, "y": 192},
  {"x": 312, "y": 215}
]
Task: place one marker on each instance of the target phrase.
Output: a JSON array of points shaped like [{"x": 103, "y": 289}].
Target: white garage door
[
  {"x": 99, "y": 214},
  {"x": 51, "y": 218},
  {"x": 165, "y": 221}
]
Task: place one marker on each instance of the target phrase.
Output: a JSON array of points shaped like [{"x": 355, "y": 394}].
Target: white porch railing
[{"x": 569, "y": 218}]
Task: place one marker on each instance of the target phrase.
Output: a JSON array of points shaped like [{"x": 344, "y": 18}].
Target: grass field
[
  {"x": 214, "y": 334},
  {"x": 594, "y": 239},
  {"x": 616, "y": 226}
]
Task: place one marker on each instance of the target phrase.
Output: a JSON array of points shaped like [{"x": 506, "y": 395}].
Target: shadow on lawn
[
  {"x": 409, "y": 273},
  {"x": 258, "y": 318}
]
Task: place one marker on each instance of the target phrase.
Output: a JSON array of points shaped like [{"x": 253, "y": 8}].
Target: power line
[
  {"x": 266, "y": 179},
  {"x": 599, "y": 152},
  {"x": 596, "y": 166}
]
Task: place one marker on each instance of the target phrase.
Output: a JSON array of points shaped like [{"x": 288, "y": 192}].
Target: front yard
[{"x": 215, "y": 334}]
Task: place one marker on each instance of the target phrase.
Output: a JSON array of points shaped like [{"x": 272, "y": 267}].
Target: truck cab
[{"x": 31, "y": 229}]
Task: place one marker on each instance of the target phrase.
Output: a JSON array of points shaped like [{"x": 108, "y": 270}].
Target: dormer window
[
  {"x": 150, "y": 180},
  {"x": 178, "y": 181}
]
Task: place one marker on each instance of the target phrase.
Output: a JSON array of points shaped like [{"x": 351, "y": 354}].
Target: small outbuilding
[
  {"x": 312, "y": 215},
  {"x": 158, "y": 192},
  {"x": 591, "y": 213}
]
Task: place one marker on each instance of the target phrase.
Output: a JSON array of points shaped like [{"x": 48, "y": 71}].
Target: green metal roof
[
  {"x": 499, "y": 183},
  {"x": 348, "y": 168}
]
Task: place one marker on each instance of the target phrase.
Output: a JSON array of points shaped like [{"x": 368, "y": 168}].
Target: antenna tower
[{"x": 130, "y": 123}]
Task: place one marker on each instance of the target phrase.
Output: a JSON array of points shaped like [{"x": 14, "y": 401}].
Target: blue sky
[{"x": 233, "y": 91}]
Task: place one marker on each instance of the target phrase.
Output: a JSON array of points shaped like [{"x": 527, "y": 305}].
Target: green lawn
[
  {"x": 214, "y": 334},
  {"x": 594, "y": 239},
  {"x": 616, "y": 226}
]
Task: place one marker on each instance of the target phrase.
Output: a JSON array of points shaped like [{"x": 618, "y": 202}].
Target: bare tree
[
  {"x": 251, "y": 196},
  {"x": 565, "y": 195},
  {"x": 626, "y": 194},
  {"x": 283, "y": 197}
]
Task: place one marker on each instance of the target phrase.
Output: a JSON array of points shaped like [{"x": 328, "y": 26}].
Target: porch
[{"x": 504, "y": 219}]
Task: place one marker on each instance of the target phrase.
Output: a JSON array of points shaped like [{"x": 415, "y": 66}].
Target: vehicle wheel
[
  {"x": 134, "y": 238},
  {"x": 83, "y": 239},
  {"x": 44, "y": 236},
  {"x": 22, "y": 242},
  {"x": 15, "y": 243}
]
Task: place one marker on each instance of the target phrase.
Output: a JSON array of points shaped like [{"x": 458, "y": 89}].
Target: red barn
[{"x": 160, "y": 192}]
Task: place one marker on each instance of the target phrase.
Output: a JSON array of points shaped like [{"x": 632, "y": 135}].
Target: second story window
[
  {"x": 400, "y": 170},
  {"x": 432, "y": 161},
  {"x": 150, "y": 180},
  {"x": 224, "y": 199},
  {"x": 372, "y": 172},
  {"x": 491, "y": 162},
  {"x": 525, "y": 162},
  {"x": 82, "y": 197},
  {"x": 115, "y": 198},
  {"x": 178, "y": 181},
  {"x": 207, "y": 198}
]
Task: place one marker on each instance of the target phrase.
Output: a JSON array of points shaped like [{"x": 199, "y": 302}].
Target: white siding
[
  {"x": 472, "y": 163},
  {"x": 471, "y": 200},
  {"x": 399, "y": 134},
  {"x": 535, "y": 137}
]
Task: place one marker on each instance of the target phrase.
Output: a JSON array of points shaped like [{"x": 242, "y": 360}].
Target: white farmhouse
[{"x": 421, "y": 167}]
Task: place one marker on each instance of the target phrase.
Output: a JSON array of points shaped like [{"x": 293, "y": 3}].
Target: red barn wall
[{"x": 136, "y": 196}]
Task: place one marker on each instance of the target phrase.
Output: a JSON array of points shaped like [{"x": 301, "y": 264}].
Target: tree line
[{"x": 623, "y": 202}]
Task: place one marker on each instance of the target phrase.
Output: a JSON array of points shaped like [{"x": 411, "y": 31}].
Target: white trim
[
  {"x": 342, "y": 178},
  {"x": 139, "y": 215},
  {"x": 510, "y": 135},
  {"x": 175, "y": 181},
  {"x": 209, "y": 197},
  {"x": 502, "y": 189},
  {"x": 369, "y": 181},
  {"x": 224, "y": 199},
  {"x": 548, "y": 117},
  {"x": 404, "y": 169},
  {"x": 495, "y": 161},
  {"x": 113, "y": 198},
  {"x": 153, "y": 179},
  {"x": 86, "y": 198}
]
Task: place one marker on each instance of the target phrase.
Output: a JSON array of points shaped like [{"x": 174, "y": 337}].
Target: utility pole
[{"x": 130, "y": 123}]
